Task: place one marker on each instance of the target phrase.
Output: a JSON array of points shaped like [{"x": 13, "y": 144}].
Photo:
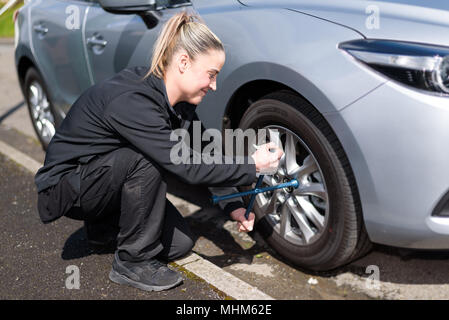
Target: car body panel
[
  {"x": 304, "y": 61},
  {"x": 401, "y": 169},
  {"x": 129, "y": 42},
  {"x": 403, "y": 20},
  {"x": 61, "y": 58},
  {"x": 395, "y": 137}
]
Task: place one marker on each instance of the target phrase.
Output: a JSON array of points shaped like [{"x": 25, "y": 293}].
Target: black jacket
[{"x": 127, "y": 110}]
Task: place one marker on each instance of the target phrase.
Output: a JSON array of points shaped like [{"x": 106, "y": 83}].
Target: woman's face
[{"x": 199, "y": 76}]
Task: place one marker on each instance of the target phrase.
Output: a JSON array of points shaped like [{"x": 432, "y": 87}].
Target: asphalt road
[
  {"x": 34, "y": 257},
  {"x": 38, "y": 261}
]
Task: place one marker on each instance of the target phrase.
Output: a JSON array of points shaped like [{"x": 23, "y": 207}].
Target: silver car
[{"x": 359, "y": 91}]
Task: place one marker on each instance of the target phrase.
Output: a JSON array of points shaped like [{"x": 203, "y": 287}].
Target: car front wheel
[{"x": 318, "y": 225}]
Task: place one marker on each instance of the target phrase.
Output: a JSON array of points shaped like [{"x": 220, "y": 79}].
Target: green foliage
[{"x": 6, "y": 23}]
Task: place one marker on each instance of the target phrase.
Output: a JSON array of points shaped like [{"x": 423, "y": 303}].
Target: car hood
[{"x": 407, "y": 20}]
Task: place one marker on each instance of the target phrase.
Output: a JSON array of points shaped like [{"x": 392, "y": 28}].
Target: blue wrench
[{"x": 292, "y": 183}]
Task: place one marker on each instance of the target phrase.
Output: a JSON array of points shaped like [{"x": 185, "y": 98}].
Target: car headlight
[{"x": 418, "y": 65}]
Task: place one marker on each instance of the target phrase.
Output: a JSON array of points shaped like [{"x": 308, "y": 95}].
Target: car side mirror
[{"x": 128, "y": 6}]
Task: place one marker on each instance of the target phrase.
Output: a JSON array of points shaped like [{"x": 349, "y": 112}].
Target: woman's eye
[{"x": 211, "y": 76}]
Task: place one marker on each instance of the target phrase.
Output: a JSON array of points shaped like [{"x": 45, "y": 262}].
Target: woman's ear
[{"x": 183, "y": 62}]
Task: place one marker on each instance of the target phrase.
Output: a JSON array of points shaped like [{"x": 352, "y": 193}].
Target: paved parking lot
[{"x": 34, "y": 257}]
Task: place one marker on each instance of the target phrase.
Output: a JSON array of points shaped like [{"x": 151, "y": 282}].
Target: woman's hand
[
  {"x": 243, "y": 224},
  {"x": 267, "y": 157}
]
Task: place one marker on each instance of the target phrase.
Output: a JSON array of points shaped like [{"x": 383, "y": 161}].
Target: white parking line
[
  {"x": 19, "y": 157},
  {"x": 212, "y": 274},
  {"x": 220, "y": 279}
]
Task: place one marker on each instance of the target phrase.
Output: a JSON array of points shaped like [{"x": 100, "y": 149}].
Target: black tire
[
  {"x": 31, "y": 76},
  {"x": 343, "y": 237}
]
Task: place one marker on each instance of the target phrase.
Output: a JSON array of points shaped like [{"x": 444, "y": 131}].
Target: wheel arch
[
  {"x": 257, "y": 79},
  {"x": 24, "y": 63}
]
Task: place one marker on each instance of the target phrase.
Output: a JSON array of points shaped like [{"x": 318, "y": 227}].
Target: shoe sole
[{"x": 120, "y": 279}]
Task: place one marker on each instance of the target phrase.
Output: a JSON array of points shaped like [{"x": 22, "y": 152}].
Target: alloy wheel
[
  {"x": 298, "y": 215},
  {"x": 41, "y": 112}
]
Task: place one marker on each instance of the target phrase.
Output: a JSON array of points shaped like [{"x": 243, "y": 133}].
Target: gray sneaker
[{"x": 149, "y": 275}]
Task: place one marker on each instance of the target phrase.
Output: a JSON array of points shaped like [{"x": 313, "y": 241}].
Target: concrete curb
[
  {"x": 220, "y": 279},
  {"x": 212, "y": 274}
]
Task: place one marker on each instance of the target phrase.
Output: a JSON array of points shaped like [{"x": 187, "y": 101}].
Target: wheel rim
[
  {"x": 41, "y": 112},
  {"x": 298, "y": 215}
]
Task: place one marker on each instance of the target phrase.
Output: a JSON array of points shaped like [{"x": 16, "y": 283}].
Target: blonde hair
[{"x": 182, "y": 31}]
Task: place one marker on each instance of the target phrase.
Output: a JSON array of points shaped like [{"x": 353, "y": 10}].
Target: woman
[{"x": 107, "y": 162}]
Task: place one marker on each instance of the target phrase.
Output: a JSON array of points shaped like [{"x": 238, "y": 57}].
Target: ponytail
[{"x": 182, "y": 31}]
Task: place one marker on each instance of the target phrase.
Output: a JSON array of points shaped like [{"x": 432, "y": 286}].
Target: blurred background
[{"x": 6, "y": 19}]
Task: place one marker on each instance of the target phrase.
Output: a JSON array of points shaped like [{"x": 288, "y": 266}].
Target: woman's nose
[{"x": 213, "y": 85}]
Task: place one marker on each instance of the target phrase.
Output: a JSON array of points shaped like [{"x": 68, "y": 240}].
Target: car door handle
[
  {"x": 39, "y": 28},
  {"x": 95, "y": 41}
]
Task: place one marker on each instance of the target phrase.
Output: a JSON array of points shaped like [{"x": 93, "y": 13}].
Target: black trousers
[{"x": 126, "y": 190}]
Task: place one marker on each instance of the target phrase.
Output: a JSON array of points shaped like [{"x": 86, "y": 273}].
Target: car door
[
  {"x": 57, "y": 44},
  {"x": 118, "y": 41}
]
